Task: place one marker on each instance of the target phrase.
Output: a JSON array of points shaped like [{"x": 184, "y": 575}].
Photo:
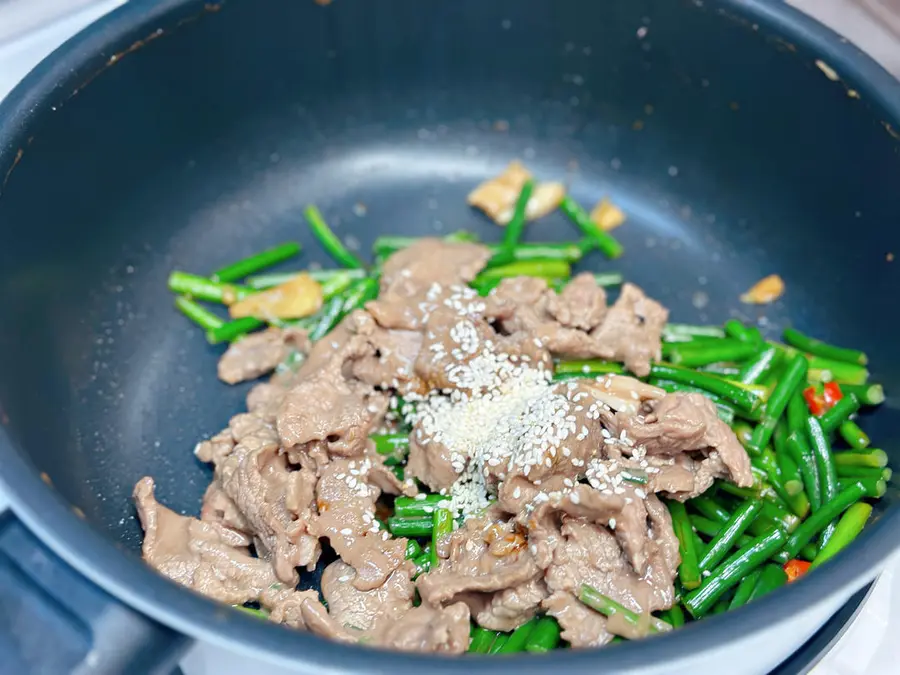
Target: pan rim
[{"x": 124, "y": 576}]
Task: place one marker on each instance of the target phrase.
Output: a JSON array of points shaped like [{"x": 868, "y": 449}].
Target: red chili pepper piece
[
  {"x": 795, "y": 569},
  {"x": 814, "y": 401},
  {"x": 832, "y": 394}
]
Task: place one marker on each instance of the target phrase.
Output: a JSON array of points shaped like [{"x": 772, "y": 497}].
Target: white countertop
[{"x": 869, "y": 647}]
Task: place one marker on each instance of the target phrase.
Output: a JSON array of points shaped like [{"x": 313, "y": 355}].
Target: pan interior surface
[{"x": 731, "y": 151}]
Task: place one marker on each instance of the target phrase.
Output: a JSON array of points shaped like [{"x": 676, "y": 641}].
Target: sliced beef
[
  {"x": 508, "y": 609},
  {"x": 581, "y": 626},
  {"x": 392, "y": 362},
  {"x": 345, "y": 496},
  {"x": 581, "y": 304},
  {"x": 688, "y": 423},
  {"x": 215, "y": 449},
  {"x": 632, "y": 330},
  {"x": 260, "y": 353},
  {"x": 416, "y": 280},
  {"x": 286, "y": 606},
  {"x": 430, "y": 461},
  {"x": 204, "y": 556},
  {"x": 590, "y": 554},
  {"x": 329, "y": 412},
  {"x": 218, "y": 507},
  {"x": 621, "y": 393},
  {"x": 483, "y": 558},
  {"x": 368, "y": 610},
  {"x": 275, "y": 500},
  {"x": 442, "y": 630}
]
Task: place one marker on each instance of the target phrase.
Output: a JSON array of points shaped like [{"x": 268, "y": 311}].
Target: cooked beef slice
[
  {"x": 632, "y": 330},
  {"x": 508, "y": 609},
  {"x": 207, "y": 557},
  {"x": 276, "y": 500},
  {"x": 345, "y": 497},
  {"x": 590, "y": 554},
  {"x": 391, "y": 365},
  {"x": 215, "y": 449},
  {"x": 581, "y": 304},
  {"x": 259, "y": 353},
  {"x": 430, "y": 461},
  {"x": 443, "y": 630},
  {"x": 416, "y": 280},
  {"x": 483, "y": 557},
  {"x": 581, "y": 626},
  {"x": 358, "y": 610},
  {"x": 330, "y": 412},
  {"x": 688, "y": 423},
  {"x": 285, "y": 606},
  {"x": 218, "y": 507}
]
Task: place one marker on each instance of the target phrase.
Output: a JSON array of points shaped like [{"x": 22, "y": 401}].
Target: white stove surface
[{"x": 31, "y": 29}]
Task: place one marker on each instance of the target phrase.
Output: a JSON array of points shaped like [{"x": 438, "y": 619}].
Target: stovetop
[{"x": 30, "y": 29}]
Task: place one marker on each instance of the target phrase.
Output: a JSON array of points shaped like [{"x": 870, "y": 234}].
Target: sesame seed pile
[{"x": 503, "y": 415}]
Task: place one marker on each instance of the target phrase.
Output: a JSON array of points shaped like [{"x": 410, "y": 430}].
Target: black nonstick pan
[{"x": 741, "y": 138}]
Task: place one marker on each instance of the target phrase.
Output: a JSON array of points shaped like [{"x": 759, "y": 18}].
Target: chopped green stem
[
  {"x": 684, "y": 332},
  {"x": 674, "y": 616},
  {"x": 442, "y": 525},
  {"x": 864, "y": 472},
  {"x": 868, "y": 394},
  {"x": 608, "y": 279},
  {"x": 603, "y": 241},
  {"x": 873, "y": 458},
  {"x": 518, "y": 639},
  {"x": 832, "y": 418},
  {"x": 744, "y": 398},
  {"x": 201, "y": 288},
  {"x": 847, "y": 529},
  {"x": 688, "y": 570},
  {"x": 853, "y": 435},
  {"x": 874, "y": 487},
  {"x": 514, "y": 227},
  {"x": 232, "y": 330},
  {"x": 497, "y": 645},
  {"x": 739, "y": 331},
  {"x": 481, "y": 640},
  {"x": 328, "y": 317},
  {"x": 329, "y": 239},
  {"x": 779, "y": 515},
  {"x": 588, "y": 367},
  {"x": 198, "y": 314},
  {"x": 711, "y": 509},
  {"x": 810, "y": 527},
  {"x": 797, "y": 412},
  {"x": 759, "y": 366},
  {"x": 729, "y": 573},
  {"x": 423, "y": 563},
  {"x": 772, "y": 577},
  {"x": 417, "y": 507},
  {"x": 803, "y": 457},
  {"x": 711, "y": 528},
  {"x": 263, "y": 281},
  {"x": 410, "y": 527},
  {"x": 839, "y": 371},
  {"x": 818, "y": 348},
  {"x": 544, "y": 637},
  {"x": 794, "y": 374},
  {"x": 338, "y": 284},
  {"x": 528, "y": 268},
  {"x": 253, "y": 611},
  {"x": 821, "y": 450},
  {"x": 731, "y": 531},
  {"x": 608, "y": 607},
  {"x": 255, "y": 263},
  {"x": 393, "y": 447},
  {"x": 413, "y": 549},
  {"x": 695, "y": 354},
  {"x": 745, "y": 589}
]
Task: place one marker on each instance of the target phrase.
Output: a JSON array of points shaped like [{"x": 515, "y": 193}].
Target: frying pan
[{"x": 741, "y": 138}]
